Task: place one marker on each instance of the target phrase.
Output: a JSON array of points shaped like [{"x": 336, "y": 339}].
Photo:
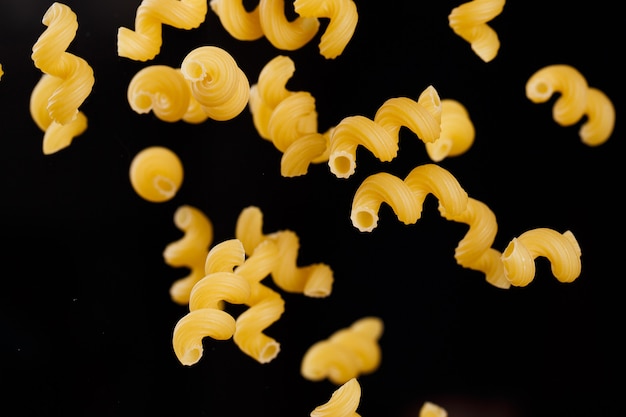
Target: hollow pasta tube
[
  {"x": 457, "y": 132},
  {"x": 156, "y": 174}
]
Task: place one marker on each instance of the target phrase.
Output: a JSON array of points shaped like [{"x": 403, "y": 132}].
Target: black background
[{"x": 85, "y": 314}]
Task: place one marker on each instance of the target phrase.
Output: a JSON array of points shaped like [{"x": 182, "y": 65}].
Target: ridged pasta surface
[
  {"x": 343, "y": 402},
  {"x": 470, "y": 22},
  {"x": 457, "y": 132}
]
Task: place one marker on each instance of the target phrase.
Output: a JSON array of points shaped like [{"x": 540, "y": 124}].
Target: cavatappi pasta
[
  {"x": 469, "y": 21},
  {"x": 406, "y": 196},
  {"x": 190, "y": 251},
  {"x": 457, "y": 132},
  {"x": 314, "y": 280},
  {"x": 561, "y": 249},
  {"x": 343, "y": 402},
  {"x": 576, "y": 100},
  {"x": 430, "y": 409},
  {"x": 287, "y": 119},
  {"x": 381, "y": 135},
  {"x": 217, "y": 82},
  {"x": 346, "y": 354},
  {"x": 144, "y": 42},
  {"x": 156, "y": 173}
]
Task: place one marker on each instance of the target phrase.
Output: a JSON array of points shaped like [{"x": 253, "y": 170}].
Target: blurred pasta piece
[
  {"x": 469, "y": 21},
  {"x": 156, "y": 174},
  {"x": 457, "y": 132},
  {"x": 430, "y": 409},
  {"x": 343, "y": 402}
]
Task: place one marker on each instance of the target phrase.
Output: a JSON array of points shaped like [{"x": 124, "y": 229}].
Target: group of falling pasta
[{"x": 208, "y": 84}]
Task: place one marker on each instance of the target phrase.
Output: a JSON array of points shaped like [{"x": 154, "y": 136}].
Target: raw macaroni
[
  {"x": 469, "y": 21},
  {"x": 156, "y": 174},
  {"x": 343, "y": 402},
  {"x": 457, "y": 132}
]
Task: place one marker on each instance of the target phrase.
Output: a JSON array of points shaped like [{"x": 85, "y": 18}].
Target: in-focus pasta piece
[
  {"x": 314, "y": 280},
  {"x": 217, "y": 82},
  {"x": 457, "y": 132},
  {"x": 66, "y": 83},
  {"x": 406, "y": 197},
  {"x": 156, "y": 174},
  {"x": 144, "y": 43},
  {"x": 346, "y": 354},
  {"x": 240, "y": 23},
  {"x": 432, "y": 410},
  {"x": 381, "y": 135},
  {"x": 343, "y": 16},
  {"x": 469, "y": 21},
  {"x": 562, "y": 250},
  {"x": 287, "y": 119},
  {"x": 164, "y": 91},
  {"x": 576, "y": 100},
  {"x": 190, "y": 251},
  {"x": 343, "y": 402}
]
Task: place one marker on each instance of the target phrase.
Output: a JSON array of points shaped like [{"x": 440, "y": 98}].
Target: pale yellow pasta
[
  {"x": 240, "y": 23},
  {"x": 314, "y": 280},
  {"x": 144, "y": 42},
  {"x": 576, "y": 100},
  {"x": 217, "y": 82},
  {"x": 457, "y": 132},
  {"x": 190, "y": 251},
  {"x": 430, "y": 409},
  {"x": 562, "y": 250},
  {"x": 469, "y": 21},
  {"x": 346, "y": 354},
  {"x": 1, "y": 71},
  {"x": 475, "y": 250},
  {"x": 406, "y": 196},
  {"x": 343, "y": 16},
  {"x": 164, "y": 91},
  {"x": 381, "y": 135},
  {"x": 156, "y": 174},
  {"x": 343, "y": 402}
]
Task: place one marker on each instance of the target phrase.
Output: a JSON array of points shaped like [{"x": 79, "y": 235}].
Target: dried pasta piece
[
  {"x": 346, "y": 354},
  {"x": 144, "y": 42},
  {"x": 457, "y": 132},
  {"x": 562, "y": 250},
  {"x": 475, "y": 250},
  {"x": 217, "y": 82},
  {"x": 156, "y": 174},
  {"x": 190, "y": 251},
  {"x": 240, "y": 23},
  {"x": 164, "y": 91},
  {"x": 343, "y": 16},
  {"x": 343, "y": 402},
  {"x": 576, "y": 100},
  {"x": 406, "y": 197},
  {"x": 430, "y": 409},
  {"x": 314, "y": 280},
  {"x": 469, "y": 21},
  {"x": 381, "y": 135},
  {"x": 1, "y": 71}
]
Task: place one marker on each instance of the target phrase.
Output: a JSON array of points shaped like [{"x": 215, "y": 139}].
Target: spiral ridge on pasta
[
  {"x": 343, "y": 402},
  {"x": 475, "y": 250},
  {"x": 156, "y": 174},
  {"x": 287, "y": 119},
  {"x": 343, "y": 16},
  {"x": 406, "y": 196},
  {"x": 346, "y": 354},
  {"x": 457, "y": 132},
  {"x": 217, "y": 82},
  {"x": 562, "y": 250},
  {"x": 314, "y": 280},
  {"x": 469, "y": 21},
  {"x": 381, "y": 135},
  {"x": 576, "y": 100},
  {"x": 144, "y": 42}
]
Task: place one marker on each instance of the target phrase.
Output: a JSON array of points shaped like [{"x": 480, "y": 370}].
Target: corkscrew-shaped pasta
[
  {"x": 66, "y": 83},
  {"x": 469, "y": 21},
  {"x": 217, "y": 82},
  {"x": 313, "y": 280},
  {"x": 457, "y": 132},
  {"x": 164, "y": 91},
  {"x": 475, "y": 250},
  {"x": 156, "y": 174},
  {"x": 190, "y": 251},
  {"x": 562, "y": 250},
  {"x": 406, "y": 197},
  {"x": 343, "y": 402},
  {"x": 144, "y": 43},
  {"x": 343, "y": 16},
  {"x": 381, "y": 135},
  {"x": 287, "y": 119},
  {"x": 346, "y": 354},
  {"x": 432, "y": 410},
  {"x": 576, "y": 100}
]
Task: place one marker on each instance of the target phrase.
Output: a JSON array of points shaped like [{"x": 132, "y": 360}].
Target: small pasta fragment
[
  {"x": 469, "y": 21},
  {"x": 430, "y": 409},
  {"x": 343, "y": 402},
  {"x": 156, "y": 174},
  {"x": 457, "y": 132},
  {"x": 1, "y": 71}
]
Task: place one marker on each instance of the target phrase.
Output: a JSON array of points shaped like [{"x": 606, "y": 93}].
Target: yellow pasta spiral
[
  {"x": 457, "y": 132},
  {"x": 469, "y": 21},
  {"x": 380, "y": 136},
  {"x": 144, "y": 43},
  {"x": 156, "y": 174},
  {"x": 343, "y": 402},
  {"x": 562, "y": 250},
  {"x": 406, "y": 197}
]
